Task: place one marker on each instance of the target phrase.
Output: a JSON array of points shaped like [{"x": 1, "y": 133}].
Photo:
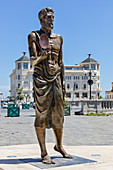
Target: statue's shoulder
[
  {"x": 54, "y": 35},
  {"x": 38, "y": 32},
  {"x": 34, "y": 35}
]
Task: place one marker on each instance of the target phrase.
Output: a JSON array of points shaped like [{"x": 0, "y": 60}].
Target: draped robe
[{"x": 47, "y": 84}]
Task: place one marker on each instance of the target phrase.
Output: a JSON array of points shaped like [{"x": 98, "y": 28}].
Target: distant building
[
  {"x": 77, "y": 82},
  {"x": 109, "y": 94},
  {"x": 21, "y": 76},
  {"x": 75, "y": 79}
]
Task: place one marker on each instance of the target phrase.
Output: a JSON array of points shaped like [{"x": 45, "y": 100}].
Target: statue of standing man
[{"x": 45, "y": 50}]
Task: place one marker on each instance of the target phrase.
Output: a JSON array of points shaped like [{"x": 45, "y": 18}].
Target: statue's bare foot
[
  {"x": 63, "y": 152},
  {"x": 47, "y": 160}
]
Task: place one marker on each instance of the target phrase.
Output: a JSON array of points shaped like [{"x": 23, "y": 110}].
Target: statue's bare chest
[{"x": 54, "y": 43}]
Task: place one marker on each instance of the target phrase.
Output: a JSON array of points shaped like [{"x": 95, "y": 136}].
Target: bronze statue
[{"x": 45, "y": 50}]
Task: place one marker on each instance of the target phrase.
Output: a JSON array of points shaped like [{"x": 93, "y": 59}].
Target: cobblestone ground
[{"x": 78, "y": 130}]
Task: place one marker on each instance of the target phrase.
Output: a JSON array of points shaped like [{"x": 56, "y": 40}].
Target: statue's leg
[
  {"x": 40, "y": 132},
  {"x": 58, "y": 147}
]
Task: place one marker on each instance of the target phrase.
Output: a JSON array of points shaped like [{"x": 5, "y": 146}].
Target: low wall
[{"x": 91, "y": 106}]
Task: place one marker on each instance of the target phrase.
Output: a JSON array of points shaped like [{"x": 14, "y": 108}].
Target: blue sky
[{"x": 86, "y": 27}]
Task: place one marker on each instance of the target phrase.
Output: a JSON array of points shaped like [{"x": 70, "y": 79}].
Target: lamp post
[
  {"x": 73, "y": 90},
  {"x": 90, "y": 81},
  {"x": 90, "y": 74}
]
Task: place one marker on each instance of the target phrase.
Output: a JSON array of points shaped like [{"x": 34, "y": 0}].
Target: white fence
[{"x": 91, "y": 106}]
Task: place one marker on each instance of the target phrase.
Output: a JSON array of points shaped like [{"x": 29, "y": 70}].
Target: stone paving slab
[
  {"x": 92, "y": 130},
  {"x": 27, "y": 157},
  {"x": 19, "y": 143}
]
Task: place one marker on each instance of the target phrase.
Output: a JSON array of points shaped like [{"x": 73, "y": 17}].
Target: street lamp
[
  {"x": 91, "y": 74},
  {"x": 74, "y": 87}
]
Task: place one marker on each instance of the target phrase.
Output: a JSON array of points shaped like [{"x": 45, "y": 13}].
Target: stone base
[{"x": 59, "y": 162}]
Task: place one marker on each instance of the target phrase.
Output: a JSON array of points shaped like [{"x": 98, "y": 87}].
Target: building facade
[
  {"x": 109, "y": 94},
  {"x": 76, "y": 80},
  {"x": 22, "y": 77}
]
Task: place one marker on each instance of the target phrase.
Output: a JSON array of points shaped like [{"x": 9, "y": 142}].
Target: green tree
[
  {"x": 20, "y": 96},
  {"x": 11, "y": 98},
  {"x": 20, "y": 89},
  {"x": 100, "y": 97}
]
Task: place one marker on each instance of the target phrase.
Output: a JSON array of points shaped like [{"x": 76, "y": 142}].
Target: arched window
[
  {"x": 84, "y": 86},
  {"x": 68, "y": 86}
]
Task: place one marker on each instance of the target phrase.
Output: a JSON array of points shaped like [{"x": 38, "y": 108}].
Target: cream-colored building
[
  {"x": 21, "y": 76},
  {"x": 109, "y": 94},
  {"x": 76, "y": 80}
]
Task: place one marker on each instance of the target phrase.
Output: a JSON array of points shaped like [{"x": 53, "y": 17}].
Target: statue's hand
[
  {"x": 41, "y": 56},
  {"x": 44, "y": 53},
  {"x": 33, "y": 60}
]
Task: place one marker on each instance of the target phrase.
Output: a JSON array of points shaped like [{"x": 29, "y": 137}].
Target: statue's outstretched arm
[{"x": 35, "y": 51}]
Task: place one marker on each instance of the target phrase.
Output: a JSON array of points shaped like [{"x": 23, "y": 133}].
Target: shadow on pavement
[{"x": 59, "y": 161}]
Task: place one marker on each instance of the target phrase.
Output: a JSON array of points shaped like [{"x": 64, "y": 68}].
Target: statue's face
[{"x": 47, "y": 21}]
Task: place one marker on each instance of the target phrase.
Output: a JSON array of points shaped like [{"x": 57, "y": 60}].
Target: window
[
  {"x": 68, "y": 86},
  {"x": 68, "y": 68},
  {"x": 19, "y": 65},
  {"x": 84, "y": 95},
  {"x": 76, "y": 86},
  {"x": 86, "y": 67},
  {"x": 84, "y": 77},
  {"x": 18, "y": 77},
  {"x": 68, "y": 95},
  {"x": 84, "y": 86},
  {"x": 77, "y": 77},
  {"x": 92, "y": 66},
  {"x": 68, "y": 77},
  {"x": 25, "y": 65},
  {"x": 18, "y": 85},
  {"x": 77, "y": 68},
  {"x": 25, "y": 82},
  {"x": 77, "y": 95}
]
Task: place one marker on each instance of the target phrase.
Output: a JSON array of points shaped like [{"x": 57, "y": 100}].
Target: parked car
[
  {"x": 4, "y": 106},
  {"x": 32, "y": 104}
]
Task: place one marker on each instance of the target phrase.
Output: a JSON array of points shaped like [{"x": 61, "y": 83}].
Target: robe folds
[{"x": 47, "y": 86}]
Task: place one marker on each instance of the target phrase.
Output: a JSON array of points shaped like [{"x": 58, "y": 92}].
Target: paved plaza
[
  {"x": 78, "y": 130},
  {"x": 88, "y": 139}
]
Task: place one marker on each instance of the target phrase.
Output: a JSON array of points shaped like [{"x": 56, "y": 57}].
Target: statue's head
[{"x": 46, "y": 17}]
